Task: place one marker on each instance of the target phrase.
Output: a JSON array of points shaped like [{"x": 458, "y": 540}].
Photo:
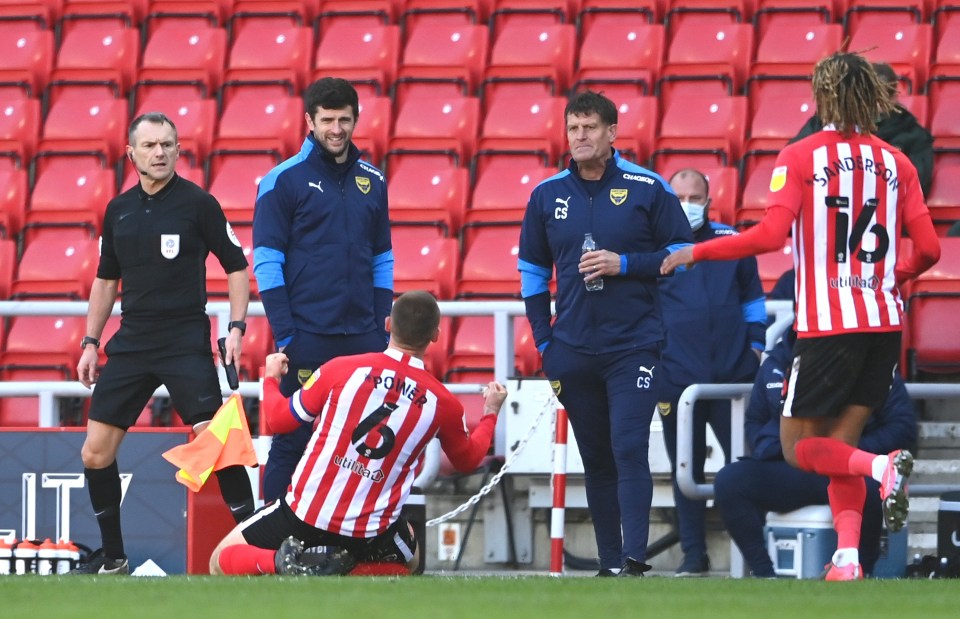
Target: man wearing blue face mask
[{"x": 715, "y": 323}]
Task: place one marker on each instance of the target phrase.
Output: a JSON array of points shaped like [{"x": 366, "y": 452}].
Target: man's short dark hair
[
  {"x": 588, "y": 102},
  {"x": 157, "y": 118},
  {"x": 414, "y": 318},
  {"x": 331, "y": 93}
]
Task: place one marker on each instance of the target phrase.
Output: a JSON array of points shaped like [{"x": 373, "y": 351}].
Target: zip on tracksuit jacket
[
  {"x": 631, "y": 211},
  {"x": 321, "y": 245},
  {"x": 714, "y": 316}
]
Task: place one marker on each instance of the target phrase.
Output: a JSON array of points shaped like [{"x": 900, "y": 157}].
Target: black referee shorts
[
  {"x": 831, "y": 372},
  {"x": 275, "y": 522},
  {"x": 129, "y": 379}
]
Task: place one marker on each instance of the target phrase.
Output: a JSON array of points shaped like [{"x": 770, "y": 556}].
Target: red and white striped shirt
[
  {"x": 375, "y": 414},
  {"x": 850, "y": 198}
]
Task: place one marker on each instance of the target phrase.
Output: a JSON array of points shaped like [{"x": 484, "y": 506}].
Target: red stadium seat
[
  {"x": 933, "y": 344},
  {"x": 70, "y": 192},
  {"x": 778, "y": 119},
  {"x": 424, "y": 264},
  {"x": 39, "y": 348},
  {"x": 501, "y": 193},
  {"x": 869, "y": 12},
  {"x": 234, "y": 181},
  {"x": 253, "y": 123},
  {"x": 13, "y": 201},
  {"x": 944, "y": 198},
  {"x": 103, "y": 50},
  {"x": 416, "y": 12},
  {"x": 636, "y": 127},
  {"x": 48, "y": 342},
  {"x": 489, "y": 268},
  {"x": 905, "y": 47},
  {"x": 186, "y": 13},
  {"x": 794, "y": 49},
  {"x": 756, "y": 186},
  {"x": 593, "y": 12},
  {"x": 508, "y": 14},
  {"x": 946, "y": 58},
  {"x": 520, "y": 124},
  {"x": 20, "y": 129},
  {"x": 445, "y": 52},
  {"x": 444, "y": 124},
  {"x": 944, "y": 112},
  {"x": 271, "y": 51},
  {"x": 24, "y": 412},
  {"x": 26, "y": 59},
  {"x": 422, "y": 195},
  {"x": 794, "y": 12},
  {"x": 86, "y": 126},
  {"x": 534, "y": 52},
  {"x": 282, "y": 13},
  {"x": 335, "y": 14},
  {"x": 367, "y": 52},
  {"x": 51, "y": 268},
  {"x": 711, "y": 49},
  {"x": 177, "y": 52},
  {"x": 774, "y": 264},
  {"x": 712, "y": 126},
  {"x": 621, "y": 48}
]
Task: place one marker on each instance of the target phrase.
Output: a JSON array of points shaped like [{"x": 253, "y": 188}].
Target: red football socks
[
  {"x": 832, "y": 457},
  {"x": 846, "y": 495},
  {"x": 246, "y": 560}
]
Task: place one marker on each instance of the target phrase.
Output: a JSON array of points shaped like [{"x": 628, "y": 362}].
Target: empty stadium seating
[
  {"x": 434, "y": 196},
  {"x": 933, "y": 342},
  {"x": 424, "y": 261},
  {"x": 57, "y": 268}
]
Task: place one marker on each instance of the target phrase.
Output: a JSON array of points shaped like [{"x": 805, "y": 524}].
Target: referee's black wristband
[{"x": 238, "y": 324}]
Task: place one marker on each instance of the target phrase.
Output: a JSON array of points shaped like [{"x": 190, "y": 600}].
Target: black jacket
[{"x": 900, "y": 129}]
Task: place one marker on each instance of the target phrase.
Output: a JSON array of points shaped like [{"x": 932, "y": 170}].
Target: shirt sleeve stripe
[
  {"x": 533, "y": 278},
  {"x": 754, "y": 311},
  {"x": 301, "y": 413},
  {"x": 268, "y": 268},
  {"x": 383, "y": 270}
]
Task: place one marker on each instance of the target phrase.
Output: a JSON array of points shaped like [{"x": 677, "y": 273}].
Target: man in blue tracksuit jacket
[
  {"x": 602, "y": 352},
  {"x": 322, "y": 255},
  {"x": 715, "y": 321},
  {"x": 763, "y": 481}
]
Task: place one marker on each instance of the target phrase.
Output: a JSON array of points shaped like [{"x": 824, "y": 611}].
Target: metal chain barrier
[{"x": 549, "y": 404}]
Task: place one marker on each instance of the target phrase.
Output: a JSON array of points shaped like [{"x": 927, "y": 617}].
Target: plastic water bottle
[
  {"x": 61, "y": 562},
  {"x": 25, "y": 557},
  {"x": 590, "y": 245},
  {"x": 72, "y": 559},
  {"x": 46, "y": 558},
  {"x": 6, "y": 556}
]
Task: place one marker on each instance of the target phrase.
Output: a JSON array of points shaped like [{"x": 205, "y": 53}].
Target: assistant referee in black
[{"x": 156, "y": 238}]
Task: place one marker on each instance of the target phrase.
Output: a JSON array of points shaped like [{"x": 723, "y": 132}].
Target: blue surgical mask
[{"x": 695, "y": 214}]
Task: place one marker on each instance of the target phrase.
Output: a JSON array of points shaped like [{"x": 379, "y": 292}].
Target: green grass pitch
[{"x": 468, "y": 597}]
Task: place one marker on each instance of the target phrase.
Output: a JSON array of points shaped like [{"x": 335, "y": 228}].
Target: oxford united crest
[
  {"x": 363, "y": 184},
  {"x": 618, "y": 196}
]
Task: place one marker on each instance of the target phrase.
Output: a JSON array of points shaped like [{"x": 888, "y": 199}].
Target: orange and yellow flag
[{"x": 225, "y": 442}]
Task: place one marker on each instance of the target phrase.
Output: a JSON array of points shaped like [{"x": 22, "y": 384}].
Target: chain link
[{"x": 549, "y": 404}]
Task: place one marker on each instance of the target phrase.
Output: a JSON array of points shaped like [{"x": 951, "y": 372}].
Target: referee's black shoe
[{"x": 632, "y": 567}]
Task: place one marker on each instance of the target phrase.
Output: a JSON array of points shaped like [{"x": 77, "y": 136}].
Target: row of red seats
[
  {"x": 325, "y": 14},
  {"x": 185, "y": 49}
]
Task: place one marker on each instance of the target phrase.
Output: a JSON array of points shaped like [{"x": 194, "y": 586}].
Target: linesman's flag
[{"x": 225, "y": 442}]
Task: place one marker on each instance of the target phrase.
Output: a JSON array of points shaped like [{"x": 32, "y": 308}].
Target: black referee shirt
[{"x": 157, "y": 247}]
